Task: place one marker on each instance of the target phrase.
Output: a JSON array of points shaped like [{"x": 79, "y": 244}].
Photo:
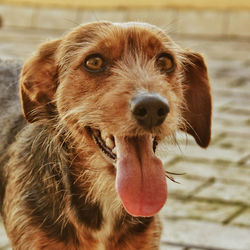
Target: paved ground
[{"x": 210, "y": 208}]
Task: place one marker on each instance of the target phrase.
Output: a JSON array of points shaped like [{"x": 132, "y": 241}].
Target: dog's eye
[
  {"x": 165, "y": 63},
  {"x": 94, "y": 63}
]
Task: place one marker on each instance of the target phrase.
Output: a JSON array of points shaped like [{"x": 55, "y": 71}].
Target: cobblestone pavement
[{"x": 210, "y": 208}]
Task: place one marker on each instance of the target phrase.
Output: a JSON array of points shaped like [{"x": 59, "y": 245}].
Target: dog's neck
[{"x": 93, "y": 189}]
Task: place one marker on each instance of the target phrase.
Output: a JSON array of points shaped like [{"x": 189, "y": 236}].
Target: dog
[{"x": 81, "y": 172}]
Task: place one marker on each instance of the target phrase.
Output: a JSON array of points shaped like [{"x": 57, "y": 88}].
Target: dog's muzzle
[
  {"x": 149, "y": 109},
  {"x": 140, "y": 175}
]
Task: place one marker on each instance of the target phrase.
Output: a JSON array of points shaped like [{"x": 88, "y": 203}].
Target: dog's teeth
[
  {"x": 109, "y": 143},
  {"x": 114, "y": 150},
  {"x": 104, "y": 135}
]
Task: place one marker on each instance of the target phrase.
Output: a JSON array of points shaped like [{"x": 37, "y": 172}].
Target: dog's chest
[
  {"x": 111, "y": 210},
  {"x": 103, "y": 236}
]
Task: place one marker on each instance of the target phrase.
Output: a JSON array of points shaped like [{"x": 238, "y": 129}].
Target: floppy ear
[
  {"x": 198, "y": 109},
  {"x": 38, "y": 83}
]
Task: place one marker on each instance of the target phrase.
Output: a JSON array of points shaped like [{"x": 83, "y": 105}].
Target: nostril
[
  {"x": 140, "y": 112},
  {"x": 162, "y": 112}
]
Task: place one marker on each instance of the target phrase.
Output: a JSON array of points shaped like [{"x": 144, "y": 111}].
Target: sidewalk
[{"x": 210, "y": 208}]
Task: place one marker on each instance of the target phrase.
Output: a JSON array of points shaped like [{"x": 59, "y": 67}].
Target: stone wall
[{"x": 182, "y": 21}]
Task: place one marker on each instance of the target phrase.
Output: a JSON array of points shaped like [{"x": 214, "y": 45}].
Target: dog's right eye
[{"x": 94, "y": 63}]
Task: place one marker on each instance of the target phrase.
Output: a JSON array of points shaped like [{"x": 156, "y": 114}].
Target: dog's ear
[
  {"x": 38, "y": 83},
  {"x": 198, "y": 106}
]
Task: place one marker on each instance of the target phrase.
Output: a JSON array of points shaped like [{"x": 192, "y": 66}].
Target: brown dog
[{"x": 82, "y": 174}]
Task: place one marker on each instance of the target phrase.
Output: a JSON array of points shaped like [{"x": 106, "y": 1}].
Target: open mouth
[
  {"x": 105, "y": 142},
  {"x": 107, "y": 145},
  {"x": 140, "y": 177}
]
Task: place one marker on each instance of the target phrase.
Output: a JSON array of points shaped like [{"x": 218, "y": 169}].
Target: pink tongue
[{"x": 140, "y": 180}]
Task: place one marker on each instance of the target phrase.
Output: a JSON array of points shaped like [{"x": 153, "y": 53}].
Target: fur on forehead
[
  {"x": 114, "y": 39},
  {"x": 96, "y": 31}
]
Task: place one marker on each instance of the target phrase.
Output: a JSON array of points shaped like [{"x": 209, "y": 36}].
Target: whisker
[
  {"x": 172, "y": 179},
  {"x": 168, "y": 172},
  {"x": 168, "y": 175}
]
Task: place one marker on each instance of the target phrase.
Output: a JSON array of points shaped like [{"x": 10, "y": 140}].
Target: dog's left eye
[
  {"x": 94, "y": 63},
  {"x": 165, "y": 63}
]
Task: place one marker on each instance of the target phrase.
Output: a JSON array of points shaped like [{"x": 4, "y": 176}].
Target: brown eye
[
  {"x": 165, "y": 63},
  {"x": 94, "y": 63}
]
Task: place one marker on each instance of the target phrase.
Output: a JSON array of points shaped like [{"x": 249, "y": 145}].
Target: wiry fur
[{"x": 59, "y": 190}]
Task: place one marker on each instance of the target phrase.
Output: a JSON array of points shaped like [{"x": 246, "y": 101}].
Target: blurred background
[{"x": 210, "y": 207}]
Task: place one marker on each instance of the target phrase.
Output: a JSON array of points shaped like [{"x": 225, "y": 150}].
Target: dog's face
[{"x": 121, "y": 88}]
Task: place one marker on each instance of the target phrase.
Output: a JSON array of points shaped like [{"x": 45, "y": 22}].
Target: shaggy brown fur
[{"x": 58, "y": 189}]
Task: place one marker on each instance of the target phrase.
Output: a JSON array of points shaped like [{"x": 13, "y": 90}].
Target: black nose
[{"x": 149, "y": 109}]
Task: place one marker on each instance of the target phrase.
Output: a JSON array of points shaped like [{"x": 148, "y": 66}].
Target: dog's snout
[{"x": 149, "y": 109}]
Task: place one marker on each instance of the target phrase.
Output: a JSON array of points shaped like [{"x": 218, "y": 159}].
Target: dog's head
[{"x": 122, "y": 88}]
